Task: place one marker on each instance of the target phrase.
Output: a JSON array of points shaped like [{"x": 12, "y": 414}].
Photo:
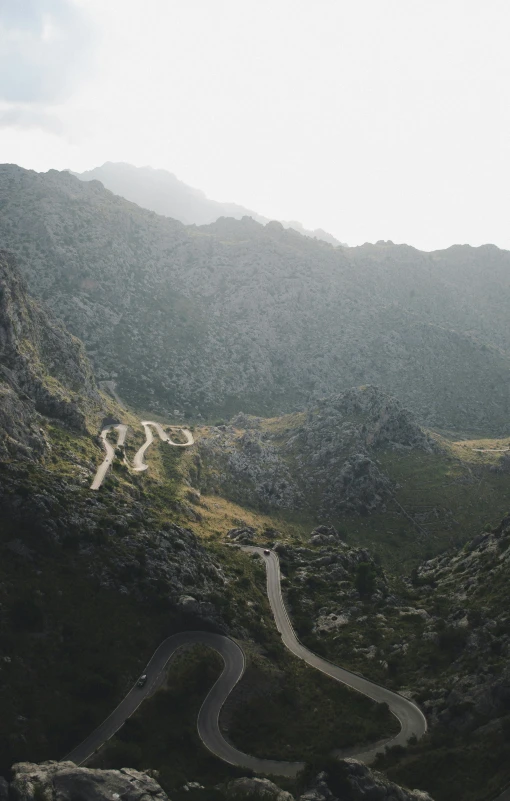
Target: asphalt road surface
[
  {"x": 411, "y": 719},
  {"x": 138, "y": 462},
  {"x": 490, "y": 450},
  {"x": 110, "y": 453}
]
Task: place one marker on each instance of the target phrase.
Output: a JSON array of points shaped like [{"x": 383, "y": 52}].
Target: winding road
[
  {"x": 110, "y": 453},
  {"x": 411, "y": 719},
  {"x": 490, "y": 450},
  {"x": 138, "y": 461}
]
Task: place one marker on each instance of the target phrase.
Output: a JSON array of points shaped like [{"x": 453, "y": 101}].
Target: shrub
[{"x": 365, "y": 579}]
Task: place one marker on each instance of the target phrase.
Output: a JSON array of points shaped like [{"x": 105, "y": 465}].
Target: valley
[{"x": 314, "y": 493}]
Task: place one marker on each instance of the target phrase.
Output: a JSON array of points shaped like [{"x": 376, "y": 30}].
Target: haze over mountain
[
  {"x": 161, "y": 191},
  {"x": 239, "y": 316},
  {"x": 254, "y": 482}
]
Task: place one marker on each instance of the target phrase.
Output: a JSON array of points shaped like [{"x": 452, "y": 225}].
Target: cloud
[
  {"x": 30, "y": 117},
  {"x": 45, "y": 46}
]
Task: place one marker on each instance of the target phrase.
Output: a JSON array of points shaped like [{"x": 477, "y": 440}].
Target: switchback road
[
  {"x": 411, "y": 719},
  {"x": 110, "y": 453},
  {"x": 138, "y": 461}
]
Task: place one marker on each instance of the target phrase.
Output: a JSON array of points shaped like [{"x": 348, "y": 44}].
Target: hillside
[
  {"x": 92, "y": 582},
  {"x": 78, "y": 571},
  {"x": 43, "y": 370},
  {"x": 260, "y": 319},
  {"x": 360, "y": 462},
  {"x": 162, "y": 192}
]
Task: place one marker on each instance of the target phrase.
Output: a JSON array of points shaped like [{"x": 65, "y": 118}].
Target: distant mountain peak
[{"x": 161, "y": 191}]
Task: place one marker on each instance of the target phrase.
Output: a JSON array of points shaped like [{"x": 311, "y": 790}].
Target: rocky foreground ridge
[
  {"x": 260, "y": 319},
  {"x": 43, "y": 369},
  {"x": 65, "y": 781}
]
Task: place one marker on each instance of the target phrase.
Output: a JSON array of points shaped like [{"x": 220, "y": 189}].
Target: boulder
[
  {"x": 65, "y": 781},
  {"x": 242, "y": 535},
  {"x": 251, "y": 789}
]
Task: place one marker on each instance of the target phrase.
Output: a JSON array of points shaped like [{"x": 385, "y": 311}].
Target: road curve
[
  {"x": 110, "y": 453},
  {"x": 490, "y": 450},
  {"x": 138, "y": 462},
  {"x": 411, "y": 719}
]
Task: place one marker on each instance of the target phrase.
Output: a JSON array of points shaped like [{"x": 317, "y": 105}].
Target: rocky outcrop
[
  {"x": 360, "y": 784},
  {"x": 247, "y": 467},
  {"x": 325, "y": 460},
  {"x": 361, "y": 487},
  {"x": 43, "y": 369},
  {"x": 352, "y": 781},
  {"x": 475, "y": 627},
  {"x": 242, "y": 535},
  {"x": 64, "y": 781},
  {"x": 21, "y": 434},
  {"x": 251, "y": 789}
]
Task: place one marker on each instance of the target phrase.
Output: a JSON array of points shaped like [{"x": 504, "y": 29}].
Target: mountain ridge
[
  {"x": 261, "y": 319},
  {"x": 161, "y": 191}
]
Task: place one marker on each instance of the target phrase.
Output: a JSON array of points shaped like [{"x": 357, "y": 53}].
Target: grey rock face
[
  {"x": 243, "y": 535},
  {"x": 43, "y": 369},
  {"x": 64, "y": 781},
  {"x": 362, "y": 784},
  {"x": 473, "y": 692},
  {"x": 252, "y": 789},
  {"x": 329, "y": 456},
  {"x": 368, "y": 784}
]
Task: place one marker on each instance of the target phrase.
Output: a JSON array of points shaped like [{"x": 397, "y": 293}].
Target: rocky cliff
[
  {"x": 441, "y": 636},
  {"x": 238, "y": 316},
  {"x": 65, "y": 781},
  {"x": 43, "y": 369},
  {"x": 324, "y": 461}
]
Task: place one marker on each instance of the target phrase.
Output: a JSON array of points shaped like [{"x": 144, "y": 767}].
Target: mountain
[
  {"x": 236, "y": 316},
  {"x": 43, "y": 369},
  {"x": 358, "y": 461},
  {"x": 162, "y": 192},
  {"x": 91, "y": 583}
]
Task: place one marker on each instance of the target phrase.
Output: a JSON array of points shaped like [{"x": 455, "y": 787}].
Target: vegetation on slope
[{"x": 236, "y": 316}]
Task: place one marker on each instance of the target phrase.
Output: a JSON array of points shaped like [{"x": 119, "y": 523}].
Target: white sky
[{"x": 373, "y": 119}]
